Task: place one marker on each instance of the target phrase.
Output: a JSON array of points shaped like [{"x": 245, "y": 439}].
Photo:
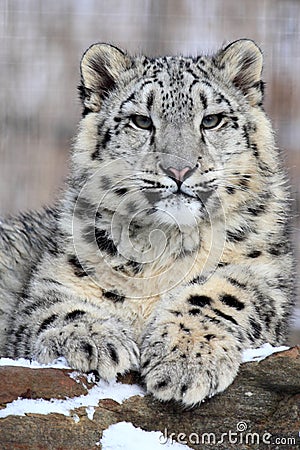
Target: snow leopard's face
[{"x": 172, "y": 139}]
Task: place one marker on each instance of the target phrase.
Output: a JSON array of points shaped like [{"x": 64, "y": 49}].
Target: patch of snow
[
  {"x": 89, "y": 376},
  {"x": 249, "y": 394},
  {"x": 76, "y": 418},
  {"x": 258, "y": 354},
  {"x": 113, "y": 390},
  {"x": 59, "y": 363},
  {"x": 90, "y": 411},
  {"x": 124, "y": 436},
  {"x": 76, "y": 376}
]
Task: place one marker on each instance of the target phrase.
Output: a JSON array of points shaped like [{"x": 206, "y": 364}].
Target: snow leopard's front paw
[
  {"x": 105, "y": 347},
  {"x": 188, "y": 368}
]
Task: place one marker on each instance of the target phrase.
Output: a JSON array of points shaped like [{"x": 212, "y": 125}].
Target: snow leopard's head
[{"x": 173, "y": 140}]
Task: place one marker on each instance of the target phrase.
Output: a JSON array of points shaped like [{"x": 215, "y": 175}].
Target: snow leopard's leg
[
  {"x": 54, "y": 321},
  {"x": 192, "y": 346}
]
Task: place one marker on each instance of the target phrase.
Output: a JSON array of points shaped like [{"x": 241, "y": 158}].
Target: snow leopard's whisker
[{"x": 234, "y": 186}]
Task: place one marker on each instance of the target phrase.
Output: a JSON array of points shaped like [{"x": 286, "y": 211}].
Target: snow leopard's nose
[{"x": 179, "y": 175}]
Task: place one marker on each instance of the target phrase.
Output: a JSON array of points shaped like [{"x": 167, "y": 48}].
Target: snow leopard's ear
[
  {"x": 101, "y": 66},
  {"x": 241, "y": 63}
]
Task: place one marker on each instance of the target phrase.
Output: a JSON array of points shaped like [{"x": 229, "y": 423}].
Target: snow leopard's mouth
[{"x": 154, "y": 196}]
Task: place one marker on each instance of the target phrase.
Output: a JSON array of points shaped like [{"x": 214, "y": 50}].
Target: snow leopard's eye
[
  {"x": 211, "y": 121},
  {"x": 142, "y": 122}
]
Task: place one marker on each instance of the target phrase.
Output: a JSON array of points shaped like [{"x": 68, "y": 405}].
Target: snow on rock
[
  {"x": 59, "y": 363},
  {"x": 258, "y": 354},
  {"x": 114, "y": 390},
  {"x": 90, "y": 411},
  {"x": 124, "y": 436},
  {"x": 102, "y": 390}
]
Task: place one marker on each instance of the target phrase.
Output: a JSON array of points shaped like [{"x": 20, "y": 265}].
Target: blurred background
[{"x": 41, "y": 43}]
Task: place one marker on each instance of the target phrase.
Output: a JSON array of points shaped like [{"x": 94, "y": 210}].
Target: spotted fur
[{"x": 169, "y": 252}]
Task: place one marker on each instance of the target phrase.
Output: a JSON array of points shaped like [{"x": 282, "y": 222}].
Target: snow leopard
[{"x": 169, "y": 251}]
